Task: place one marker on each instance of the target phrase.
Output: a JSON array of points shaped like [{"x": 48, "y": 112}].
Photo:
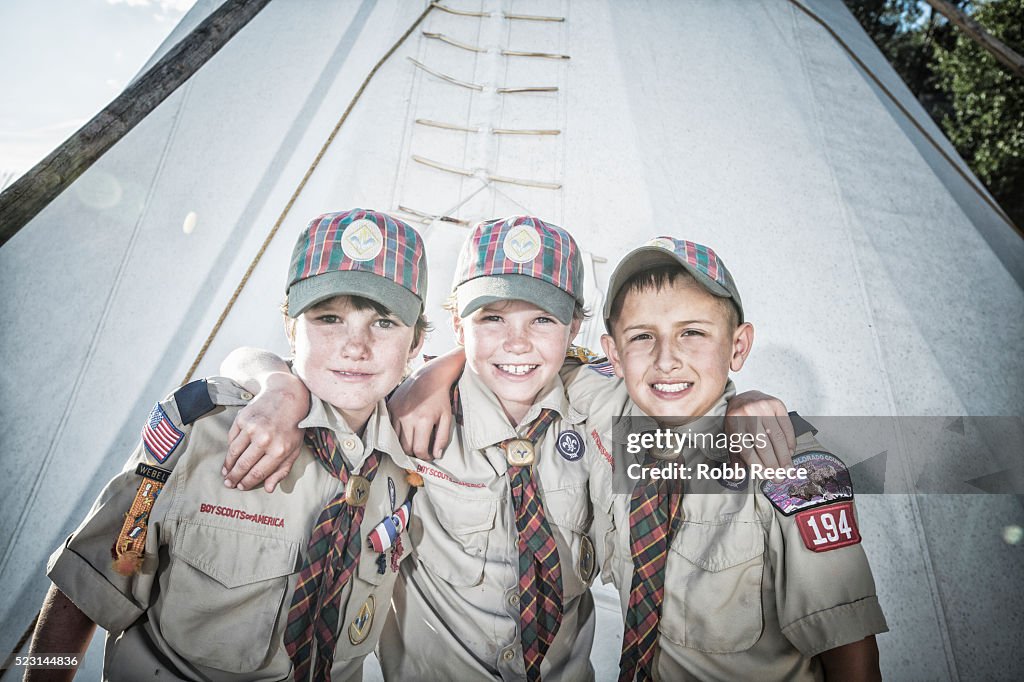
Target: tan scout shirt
[
  {"x": 212, "y": 598},
  {"x": 744, "y": 597},
  {"x": 456, "y": 615}
]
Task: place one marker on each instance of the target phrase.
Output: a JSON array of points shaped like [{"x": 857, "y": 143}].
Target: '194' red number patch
[{"x": 826, "y": 528}]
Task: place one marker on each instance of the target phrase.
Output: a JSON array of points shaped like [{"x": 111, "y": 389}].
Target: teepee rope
[{"x": 297, "y": 192}]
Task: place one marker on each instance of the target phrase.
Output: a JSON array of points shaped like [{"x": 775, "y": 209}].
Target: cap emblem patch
[
  {"x": 521, "y": 244},
  {"x": 362, "y": 240},
  {"x": 664, "y": 243}
]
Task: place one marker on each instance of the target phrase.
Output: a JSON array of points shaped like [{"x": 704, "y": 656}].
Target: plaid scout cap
[
  {"x": 359, "y": 253},
  {"x": 519, "y": 258},
  {"x": 698, "y": 260}
]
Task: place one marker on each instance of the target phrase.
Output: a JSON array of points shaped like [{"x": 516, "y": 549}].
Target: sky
[{"x": 62, "y": 61}]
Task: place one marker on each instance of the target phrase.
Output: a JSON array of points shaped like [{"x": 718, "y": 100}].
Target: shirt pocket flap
[
  {"x": 233, "y": 558},
  {"x": 717, "y": 546},
  {"x": 568, "y": 508},
  {"x": 452, "y": 542},
  {"x": 463, "y": 513}
]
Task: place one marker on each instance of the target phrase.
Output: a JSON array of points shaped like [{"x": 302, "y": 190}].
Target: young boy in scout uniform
[
  {"x": 718, "y": 580},
  {"x": 499, "y": 584},
  {"x": 194, "y": 580}
]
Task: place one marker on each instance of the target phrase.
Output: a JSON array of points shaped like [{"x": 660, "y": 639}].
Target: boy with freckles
[{"x": 718, "y": 580}]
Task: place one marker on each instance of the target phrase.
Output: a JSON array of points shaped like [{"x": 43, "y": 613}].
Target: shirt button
[
  {"x": 513, "y": 599},
  {"x": 508, "y": 655},
  {"x": 246, "y": 395},
  {"x": 348, "y": 444}
]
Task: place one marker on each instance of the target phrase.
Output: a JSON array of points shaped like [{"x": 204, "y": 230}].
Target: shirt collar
[
  {"x": 484, "y": 422},
  {"x": 378, "y": 434}
]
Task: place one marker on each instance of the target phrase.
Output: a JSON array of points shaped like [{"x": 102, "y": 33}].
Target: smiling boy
[
  {"x": 499, "y": 585},
  {"x": 717, "y": 581},
  {"x": 210, "y": 582}
]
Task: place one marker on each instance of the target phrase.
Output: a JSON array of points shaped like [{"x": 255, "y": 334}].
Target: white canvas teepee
[{"x": 880, "y": 277}]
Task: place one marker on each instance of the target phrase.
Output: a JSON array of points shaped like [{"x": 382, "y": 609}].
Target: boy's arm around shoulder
[
  {"x": 421, "y": 409},
  {"x": 824, "y": 589},
  {"x": 265, "y": 439}
]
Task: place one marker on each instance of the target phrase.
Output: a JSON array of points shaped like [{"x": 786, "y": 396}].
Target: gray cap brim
[
  {"x": 476, "y": 293},
  {"x": 647, "y": 257},
  {"x": 306, "y": 293}
]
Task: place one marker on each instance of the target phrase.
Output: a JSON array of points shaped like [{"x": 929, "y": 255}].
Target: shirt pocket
[
  {"x": 451, "y": 531},
  {"x": 224, "y": 594},
  {"x": 568, "y": 513},
  {"x": 713, "y": 587}
]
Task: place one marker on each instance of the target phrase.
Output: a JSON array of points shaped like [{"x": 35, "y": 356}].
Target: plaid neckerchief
[
  {"x": 653, "y": 521},
  {"x": 331, "y": 558},
  {"x": 540, "y": 573}
]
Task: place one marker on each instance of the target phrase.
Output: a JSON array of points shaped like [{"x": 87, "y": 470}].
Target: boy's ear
[
  {"x": 611, "y": 351},
  {"x": 574, "y": 329},
  {"x": 460, "y": 336},
  {"x": 742, "y": 341},
  {"x": 289, "y": 331},
  {"x": 415, "y": 350}
]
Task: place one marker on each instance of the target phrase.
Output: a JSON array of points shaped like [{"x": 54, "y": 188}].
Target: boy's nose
[
  {"x": 665, "y": 359},
  {"x": 517, "y": 340},
  {"x": 355, "y": 345}
]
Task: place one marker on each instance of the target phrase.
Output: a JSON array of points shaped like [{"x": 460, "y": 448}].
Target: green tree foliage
[
  {"x": 977, "y": 101},
  {"x": 986, "y": 120}
]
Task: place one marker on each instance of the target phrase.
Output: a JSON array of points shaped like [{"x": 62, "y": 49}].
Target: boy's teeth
[
  {"x": 672, "y": 388},
  {"x": 516, "y": 369}
]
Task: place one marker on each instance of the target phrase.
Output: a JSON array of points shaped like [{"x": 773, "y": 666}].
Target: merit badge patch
[
  {"x": 361, "y": 624},
  {"x": 570, "y": 445},
  {"x": 362, "y": 240},
  {"x": 830, "y": 527},
  {"x": 521, "y": 244},
  {"x": 827, "y": 481},
  {"x": 160, "y": 435}
]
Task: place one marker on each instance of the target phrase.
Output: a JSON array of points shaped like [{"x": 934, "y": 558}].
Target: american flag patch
[
  {"x": 605, "y": 368},
  {"x": 160, "y": 435}
]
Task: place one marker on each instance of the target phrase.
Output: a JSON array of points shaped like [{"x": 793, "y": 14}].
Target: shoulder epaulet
[
  {"x": 801, "y": 425},
  {"x": 169, "y": 419}
]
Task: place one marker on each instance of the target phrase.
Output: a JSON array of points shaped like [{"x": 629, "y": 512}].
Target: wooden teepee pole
[
  {"x": 20, "y": 202},
  {"x": 974, "y": 30}
]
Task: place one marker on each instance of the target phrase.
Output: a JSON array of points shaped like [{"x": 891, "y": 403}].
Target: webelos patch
[
  {"x": 160, "y": 436},
  {"x": 827, "y": 481},
  {"x": 521, "y": 244},
  {"x": 362, "y": 240},
  {"x": 829, "y": 527},
  {"x": 570, "y": 445}
]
